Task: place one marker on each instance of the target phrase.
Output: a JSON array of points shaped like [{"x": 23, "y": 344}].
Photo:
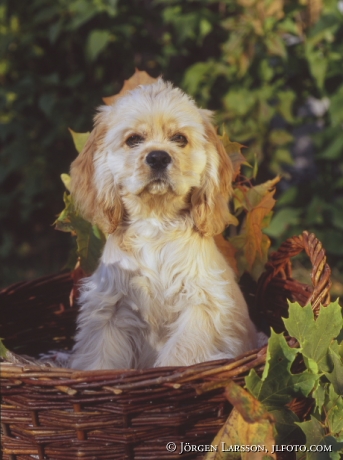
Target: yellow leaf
[
  {"x": 66, "y": 181},
  {"x": 274, "y": 8},
  {"x": 140, "y": 77},
  {"x": 249, "y": 424},
  {"x": 79, "y": 139},
  {"x": 238, "y": 432},
  {"x": 257, "y": 25}
]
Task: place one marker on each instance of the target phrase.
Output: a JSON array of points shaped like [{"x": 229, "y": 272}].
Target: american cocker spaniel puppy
[{"x": 155, "y": 177}]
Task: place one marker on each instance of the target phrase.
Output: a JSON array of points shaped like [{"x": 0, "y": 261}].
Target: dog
[{"x": 156, "y": 178}]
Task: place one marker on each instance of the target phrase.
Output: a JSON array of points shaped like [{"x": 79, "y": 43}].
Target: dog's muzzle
[{"x": 158, "y": 159}]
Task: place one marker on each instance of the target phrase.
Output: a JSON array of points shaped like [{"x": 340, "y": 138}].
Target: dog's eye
[
  {"x": 134, "y": 140},
  {"x": 180, "y": 139}
]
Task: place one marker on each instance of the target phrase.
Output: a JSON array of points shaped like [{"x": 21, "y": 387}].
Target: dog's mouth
[{"x": 158, "y": 186}]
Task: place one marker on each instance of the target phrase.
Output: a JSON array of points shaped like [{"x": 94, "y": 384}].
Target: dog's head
[{"x": 153, "y": 148}]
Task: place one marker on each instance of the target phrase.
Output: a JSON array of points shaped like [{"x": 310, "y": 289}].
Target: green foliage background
[{"x": 272, "y": 69}]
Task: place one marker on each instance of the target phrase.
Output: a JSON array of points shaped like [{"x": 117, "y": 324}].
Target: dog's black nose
[{"x": 158, "y": 159}]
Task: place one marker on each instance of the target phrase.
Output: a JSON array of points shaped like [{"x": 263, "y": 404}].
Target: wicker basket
[{"x": 62, "y": 414}]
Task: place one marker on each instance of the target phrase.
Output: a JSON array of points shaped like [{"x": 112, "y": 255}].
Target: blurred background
[{"x": 271, "y": 69}]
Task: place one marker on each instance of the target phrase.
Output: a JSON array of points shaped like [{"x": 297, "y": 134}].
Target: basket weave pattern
[{"x": 61, "y": 414}]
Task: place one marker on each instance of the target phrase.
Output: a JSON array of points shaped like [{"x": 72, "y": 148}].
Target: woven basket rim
[{"x": 60, "y": 413}]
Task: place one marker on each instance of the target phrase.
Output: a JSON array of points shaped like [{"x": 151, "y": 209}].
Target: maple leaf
[
  {"x": 249, "y": 423},
  {"x": 316, "y": 436},
  {"x": 278, "y": 386},
  {"x": 89, "y": 239},
  {"x": 320, "y": 349},
  {"x": 247, "y": 405},
  {"x": 308, "y": 331},
  {"x": 255, "y": 194},
  {"x": 336, "y": 375},
  {"x": 238, "y": 432},
  {"x": 254, "y": 225},
  {"x": 252, "y": 244},
  {"x": 140, "y": 77},
  {"x": 233, "y": 149}
]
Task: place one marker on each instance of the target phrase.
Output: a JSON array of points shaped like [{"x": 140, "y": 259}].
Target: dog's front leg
[
  {"x": 110, "y": 333},
  {"x": 194, "y": 337}
]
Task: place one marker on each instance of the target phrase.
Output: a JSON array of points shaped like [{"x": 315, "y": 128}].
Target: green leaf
[
  {"x": 285, "y": 106},
  {"x": 318, "y": 65},
  {"x": 278, "y": 385},
  {"x": 47, "y": 103},
  {"x": 240, "y": 102},
  {"x": 195, "y": 75},
  {"x": 335, "y": 109},
  {"x": 319, "y": 395},
  {"x": 335, "y": 416},
  {"x": 337, "y": 215},
  {"x": 276, "y": 46},
  {"x": 96, "y": 42},
  {"x": 282, "y": 219},
  {"x": 285, "y": 420},
  {"x": 316, "y": 436},
  {"x": 205, "y": 28},
  {"x": 283, "y": 156},
  {"x": 89, "y": 239},
  {"x": 254, "y": 383},
  {"x": 314, "y": 336},
  {"x": 334, "y": 149},
  {"x": 3, "y": 350},
  {"x": 336, "y": 375},
  {"x": 266, "y": 71}
]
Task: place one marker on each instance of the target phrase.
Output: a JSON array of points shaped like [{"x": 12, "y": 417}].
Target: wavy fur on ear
[
  {"x": 210, "y": 202},
  {"x": 100, "y": 206}
]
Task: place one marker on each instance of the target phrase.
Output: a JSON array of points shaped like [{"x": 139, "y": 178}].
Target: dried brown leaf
[
  {"x": 140, "y": 77},
  {"x": 233, "y": 149},
  {"x": 254, "y": 227}
]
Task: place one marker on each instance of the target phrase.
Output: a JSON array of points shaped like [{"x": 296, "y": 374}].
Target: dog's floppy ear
[
  {"x": 98, "y": 203},
  {"x": 210, "y": 201}
]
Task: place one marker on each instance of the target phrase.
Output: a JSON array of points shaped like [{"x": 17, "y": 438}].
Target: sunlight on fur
[{"x": 155, "y": 177}]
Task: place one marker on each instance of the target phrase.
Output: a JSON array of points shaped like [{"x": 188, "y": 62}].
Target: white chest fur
[
  {"x": 167, "y": 295},
  {"x": 168, "y": 267}
]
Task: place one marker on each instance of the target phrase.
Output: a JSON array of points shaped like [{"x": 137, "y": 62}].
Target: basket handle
[{"x": 279, "y": 266}]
